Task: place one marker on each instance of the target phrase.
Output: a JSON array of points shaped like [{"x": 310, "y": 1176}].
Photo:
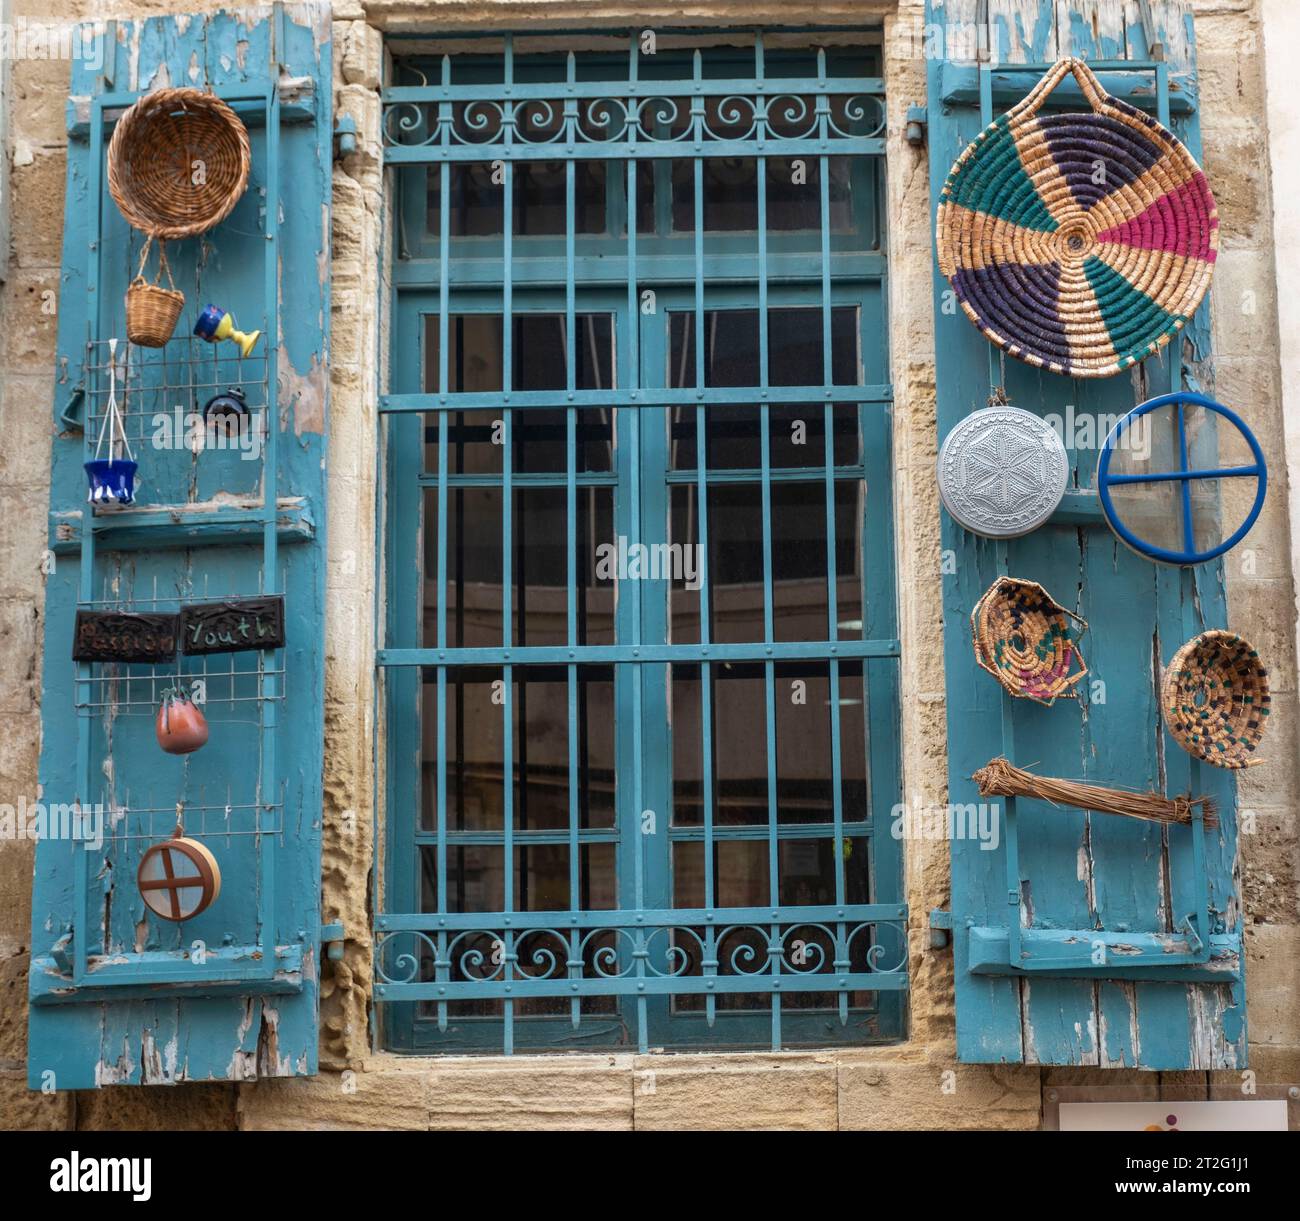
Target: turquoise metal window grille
[{"x": 639, "y": 300}]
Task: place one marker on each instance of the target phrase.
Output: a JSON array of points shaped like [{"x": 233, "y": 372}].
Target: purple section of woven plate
[
  {"x": 1021, "y": 302},
  {"x": 1096, "y": 154}
]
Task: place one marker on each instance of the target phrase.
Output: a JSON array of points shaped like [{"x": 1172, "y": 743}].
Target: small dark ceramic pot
[
  {"x": 227, "y": 412},
  {"x": 208, "y": 322}
]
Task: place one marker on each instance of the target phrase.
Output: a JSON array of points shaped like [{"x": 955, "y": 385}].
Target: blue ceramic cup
[{"x": 209, "y": 320}]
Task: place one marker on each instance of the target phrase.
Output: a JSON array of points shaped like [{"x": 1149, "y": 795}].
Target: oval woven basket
[
  {"x": 1215, "y": 699},
  {"x": 178, "y": 163},
  {"x": 1023, "y": 638},
  {"x": 1081, "y": 243}
]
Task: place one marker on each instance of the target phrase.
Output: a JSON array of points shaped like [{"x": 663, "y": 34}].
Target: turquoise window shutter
[
  {"x": 119, "y": 996},
  {"x": 1082, "y": 939}
]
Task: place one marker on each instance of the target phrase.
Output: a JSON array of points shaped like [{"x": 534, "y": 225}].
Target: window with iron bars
[{"x": 640, "y": 656}]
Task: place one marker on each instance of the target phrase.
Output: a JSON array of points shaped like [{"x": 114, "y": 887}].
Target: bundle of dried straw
[{"x": 1000, "y": 779}]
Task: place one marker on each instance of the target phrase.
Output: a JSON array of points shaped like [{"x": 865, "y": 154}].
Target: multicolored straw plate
[
  {"x": 1022, "y": 636},
  {"x": 1081, "y": 243}
]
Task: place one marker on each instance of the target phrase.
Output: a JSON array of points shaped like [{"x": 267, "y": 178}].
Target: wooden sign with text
[
  {"x": 123, "y": 636},
  {"x": 232, "y": 627}
]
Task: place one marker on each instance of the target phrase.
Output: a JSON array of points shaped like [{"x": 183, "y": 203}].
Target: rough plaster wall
[
  {"x": 1277, "y": 870},
  {"x": 916, "y": 512},
  {"x": 1261, "y": 590},
  {"x": 35, "y": 146},
  {"x": 884, "y": 1087},
  {"x": 349, "y": 659},
  {"x": 1281, "y": 20}
]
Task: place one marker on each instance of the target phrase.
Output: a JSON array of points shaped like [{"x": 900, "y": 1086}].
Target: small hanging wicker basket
[
  {"x": 178, "y": 163},
  {"x": 1023, "y": 638},
  {"x": 1215, "y": 699},
  {"x": 151, "y": 310},
  {"x": 1080, "y": 243}
]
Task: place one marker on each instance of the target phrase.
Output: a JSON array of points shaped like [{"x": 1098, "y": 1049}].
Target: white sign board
[{"x": 1256, "y": 1116}]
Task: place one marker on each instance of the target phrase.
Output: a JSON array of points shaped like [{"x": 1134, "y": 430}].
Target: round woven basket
[
  {"x": 1215, "y": 699},
  {"x": 1023, "y": 638},
  {"x": 1081, "y": 243},
  {"x": 178, "y": 163},
  {"x": 151, "y": 310}
]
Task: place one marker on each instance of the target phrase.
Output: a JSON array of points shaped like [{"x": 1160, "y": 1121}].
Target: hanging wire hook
[{"x": 113, "y": 427}]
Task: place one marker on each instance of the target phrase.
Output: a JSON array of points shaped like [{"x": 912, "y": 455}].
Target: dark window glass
[
  {"x": 476, "y": 197},
  {"x": 541, "y": 538},
  {"x": 794, "y": 340}
]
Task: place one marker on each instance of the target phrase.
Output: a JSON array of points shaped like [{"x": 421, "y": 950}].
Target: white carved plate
[{"x": 1002, "y": 472}]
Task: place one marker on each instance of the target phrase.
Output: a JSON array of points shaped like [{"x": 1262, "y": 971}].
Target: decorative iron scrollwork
[
  {"x": 654, "y": 120},
  {"x": 486, "y": 959}
]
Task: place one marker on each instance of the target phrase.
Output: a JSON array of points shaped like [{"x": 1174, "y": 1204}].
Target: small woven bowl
[
  {"x": 1215, "y": 699},
  {"x": 1023, "y": 638}
]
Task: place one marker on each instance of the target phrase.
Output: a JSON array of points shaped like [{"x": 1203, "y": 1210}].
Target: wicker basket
[
  {"x": 1081, "y": 243},
  {"x": 151, "y": 310},
  {"x": 1022, "y": 637},
  {"x": 1215, "y": 699},
  {"x": 158, "y": 149}
]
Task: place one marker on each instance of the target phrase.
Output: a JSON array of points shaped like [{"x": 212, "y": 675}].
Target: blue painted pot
[{"x": 112, "y": 482}]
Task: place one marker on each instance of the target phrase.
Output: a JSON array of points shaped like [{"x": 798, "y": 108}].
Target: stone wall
[{"x": 917, "y": 1083}]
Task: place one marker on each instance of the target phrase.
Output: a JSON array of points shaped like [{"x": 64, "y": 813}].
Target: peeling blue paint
[
  {"x": 1077, "y": 871},
  {"x": 125, "y": 999}
]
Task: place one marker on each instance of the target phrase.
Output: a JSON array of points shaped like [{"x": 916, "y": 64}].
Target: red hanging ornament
[{"x": 180, "y": 726}]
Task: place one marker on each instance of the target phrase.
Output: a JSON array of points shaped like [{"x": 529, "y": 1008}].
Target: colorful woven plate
[
  {"x": 1215, "y": 699},
  {"x": 1080, "y": 243},
  {"x": 1022, "y": 637}
]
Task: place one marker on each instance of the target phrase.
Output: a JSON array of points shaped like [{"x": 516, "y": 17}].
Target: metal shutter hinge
[
  {"x": 917, "y": 122},
  {"x": 331, "y": 937},
  {"x": 940, "y": 929}
]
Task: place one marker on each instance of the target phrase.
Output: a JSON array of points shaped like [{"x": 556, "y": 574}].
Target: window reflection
[
  {"x": 738, "y": 737},
  {"x": 542, "y": 533},
  {"x": 539, "y": 361}
]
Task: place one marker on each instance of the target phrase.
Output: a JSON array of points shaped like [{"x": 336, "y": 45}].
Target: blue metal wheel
[{"x": 1185, "y": 474}]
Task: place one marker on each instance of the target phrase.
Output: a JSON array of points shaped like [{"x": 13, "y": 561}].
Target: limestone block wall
[{"x": 915, "y": 1084}]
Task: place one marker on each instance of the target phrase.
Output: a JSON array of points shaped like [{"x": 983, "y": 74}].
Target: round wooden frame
[{"x": 208, "y": 881}]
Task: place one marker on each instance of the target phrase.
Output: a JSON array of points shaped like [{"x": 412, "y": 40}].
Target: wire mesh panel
[
  {"x": 640, "y": 654},
  {"x": 193, "y": 417},
  {"x": 227, "y": 796}
]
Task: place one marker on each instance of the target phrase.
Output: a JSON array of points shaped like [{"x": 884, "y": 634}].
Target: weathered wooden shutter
[
  {"x": 1129, "y": 940},
  {"x": 118, "y": 996}
]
